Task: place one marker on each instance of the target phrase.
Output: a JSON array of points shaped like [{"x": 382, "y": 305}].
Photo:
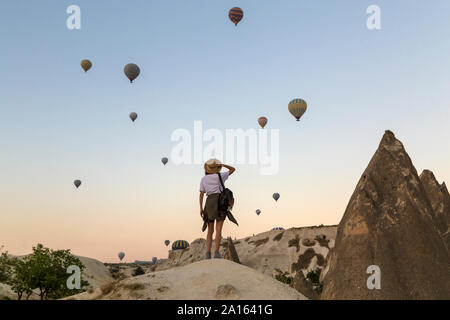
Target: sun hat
[{"x": 213, "y": 166}]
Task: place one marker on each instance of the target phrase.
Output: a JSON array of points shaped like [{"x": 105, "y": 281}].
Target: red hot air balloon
[
  {"x": 236, "y": 14},
  {"x": 262, "y": 122}
]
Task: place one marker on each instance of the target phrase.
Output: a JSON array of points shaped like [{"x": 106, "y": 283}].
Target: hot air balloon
[
  {"x": 236, "y": 14},
  {"x": 278, "y": 229},
  {"x": 86, "y": 65},
  {"x": 133, "y": 116},
  {"x": 297, "y": 108},
  {"x": 154, "y": 259},
  {"x": 164, "y": 160},
  {"x": 262, "y": 122},
  {"x": 121, "y": 255},
  {"x": 77, "y": 183},
  {"x": 167, "y": 242},
  {"x": 276, "y": 196},
  {"x": 258, "y": 212},
  {"x": 131, "y": 71},
  {"x": 180, "y": 245}
]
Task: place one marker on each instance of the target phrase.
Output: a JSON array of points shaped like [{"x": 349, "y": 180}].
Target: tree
[
  {"x": 49, "y": 272},
  {"x": 5, "y": 267},
  {"x": 20, "y": 280},
  {"x": 13, "y": 272},
  {"x": 61, "y": 260},
  {"x": 44, "y": 270}
]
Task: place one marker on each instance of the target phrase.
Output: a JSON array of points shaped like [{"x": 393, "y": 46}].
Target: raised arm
[{"x": 230, "y": 168}]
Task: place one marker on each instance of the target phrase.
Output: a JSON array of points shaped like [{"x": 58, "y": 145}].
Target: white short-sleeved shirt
[{"x": 210, "y": 183}]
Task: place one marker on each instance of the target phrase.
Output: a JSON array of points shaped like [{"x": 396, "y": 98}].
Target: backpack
[{"x": 226, "y": 199}]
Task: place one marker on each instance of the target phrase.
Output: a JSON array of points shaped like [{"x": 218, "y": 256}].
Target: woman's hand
[
  {"x": 201, "y": 213},
  {"x": 230, "y": 168}
]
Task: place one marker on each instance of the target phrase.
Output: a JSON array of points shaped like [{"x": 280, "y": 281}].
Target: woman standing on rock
[{"x": 210, "y": 184}]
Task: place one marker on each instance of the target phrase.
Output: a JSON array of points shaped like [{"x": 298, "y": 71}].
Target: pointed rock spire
[{"x": 388, "y": 223}]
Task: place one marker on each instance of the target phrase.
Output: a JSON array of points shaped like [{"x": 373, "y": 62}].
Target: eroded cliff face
[
  {"x": 439, "y": 199},
  {"x": 389, "y": 222}
]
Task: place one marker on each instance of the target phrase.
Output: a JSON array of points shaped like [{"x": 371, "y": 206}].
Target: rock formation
[
  {"x": 440, "y": 203},
  {"x": 388, "y": 223},
  {"x": 272, "y": 253},
  {"x": 231, "y": 253},
  {"x": 203, "y": 280},
  {"x": 302, "y": 285},
  {"x": 95, "y": 272}
]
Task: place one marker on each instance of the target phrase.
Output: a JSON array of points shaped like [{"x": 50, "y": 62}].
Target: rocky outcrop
[
  {"x": 231, "y": 253},
  {"x": 95, "y": 272},
  {"x": 272, "y": 253},
  {"x": 388, "y": 223},
  {"x": 439, "y": 199},
  {"x": 291, "y": 253},
  {"x": 304, "y": 286},
  {"x": 203, "y": 280}
]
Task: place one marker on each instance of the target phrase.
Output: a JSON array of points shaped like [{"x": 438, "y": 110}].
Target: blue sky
[{"x": 58, "y": 123}]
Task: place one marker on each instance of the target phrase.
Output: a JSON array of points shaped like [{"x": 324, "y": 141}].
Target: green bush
[
  {"x": 314, "y": 277},
  {"x": 284, "y": 279}
]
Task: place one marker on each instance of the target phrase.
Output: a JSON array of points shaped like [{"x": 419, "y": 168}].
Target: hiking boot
[
  {"x": 208, "y": 255},
  {"x": 217, "y": 255}
]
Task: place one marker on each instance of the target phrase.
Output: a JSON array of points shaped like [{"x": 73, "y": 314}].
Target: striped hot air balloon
[
  {"x": 236, "y": 14},
  {"x": 297, "y": 108},
  {"x": 180, "y": 245}
]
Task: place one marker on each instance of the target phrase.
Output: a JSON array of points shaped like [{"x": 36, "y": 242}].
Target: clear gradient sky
[{"x": 58, "y": 124}]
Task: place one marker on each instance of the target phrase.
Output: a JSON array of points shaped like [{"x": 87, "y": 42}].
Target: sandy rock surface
[{"x": 204, "y": 280}]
